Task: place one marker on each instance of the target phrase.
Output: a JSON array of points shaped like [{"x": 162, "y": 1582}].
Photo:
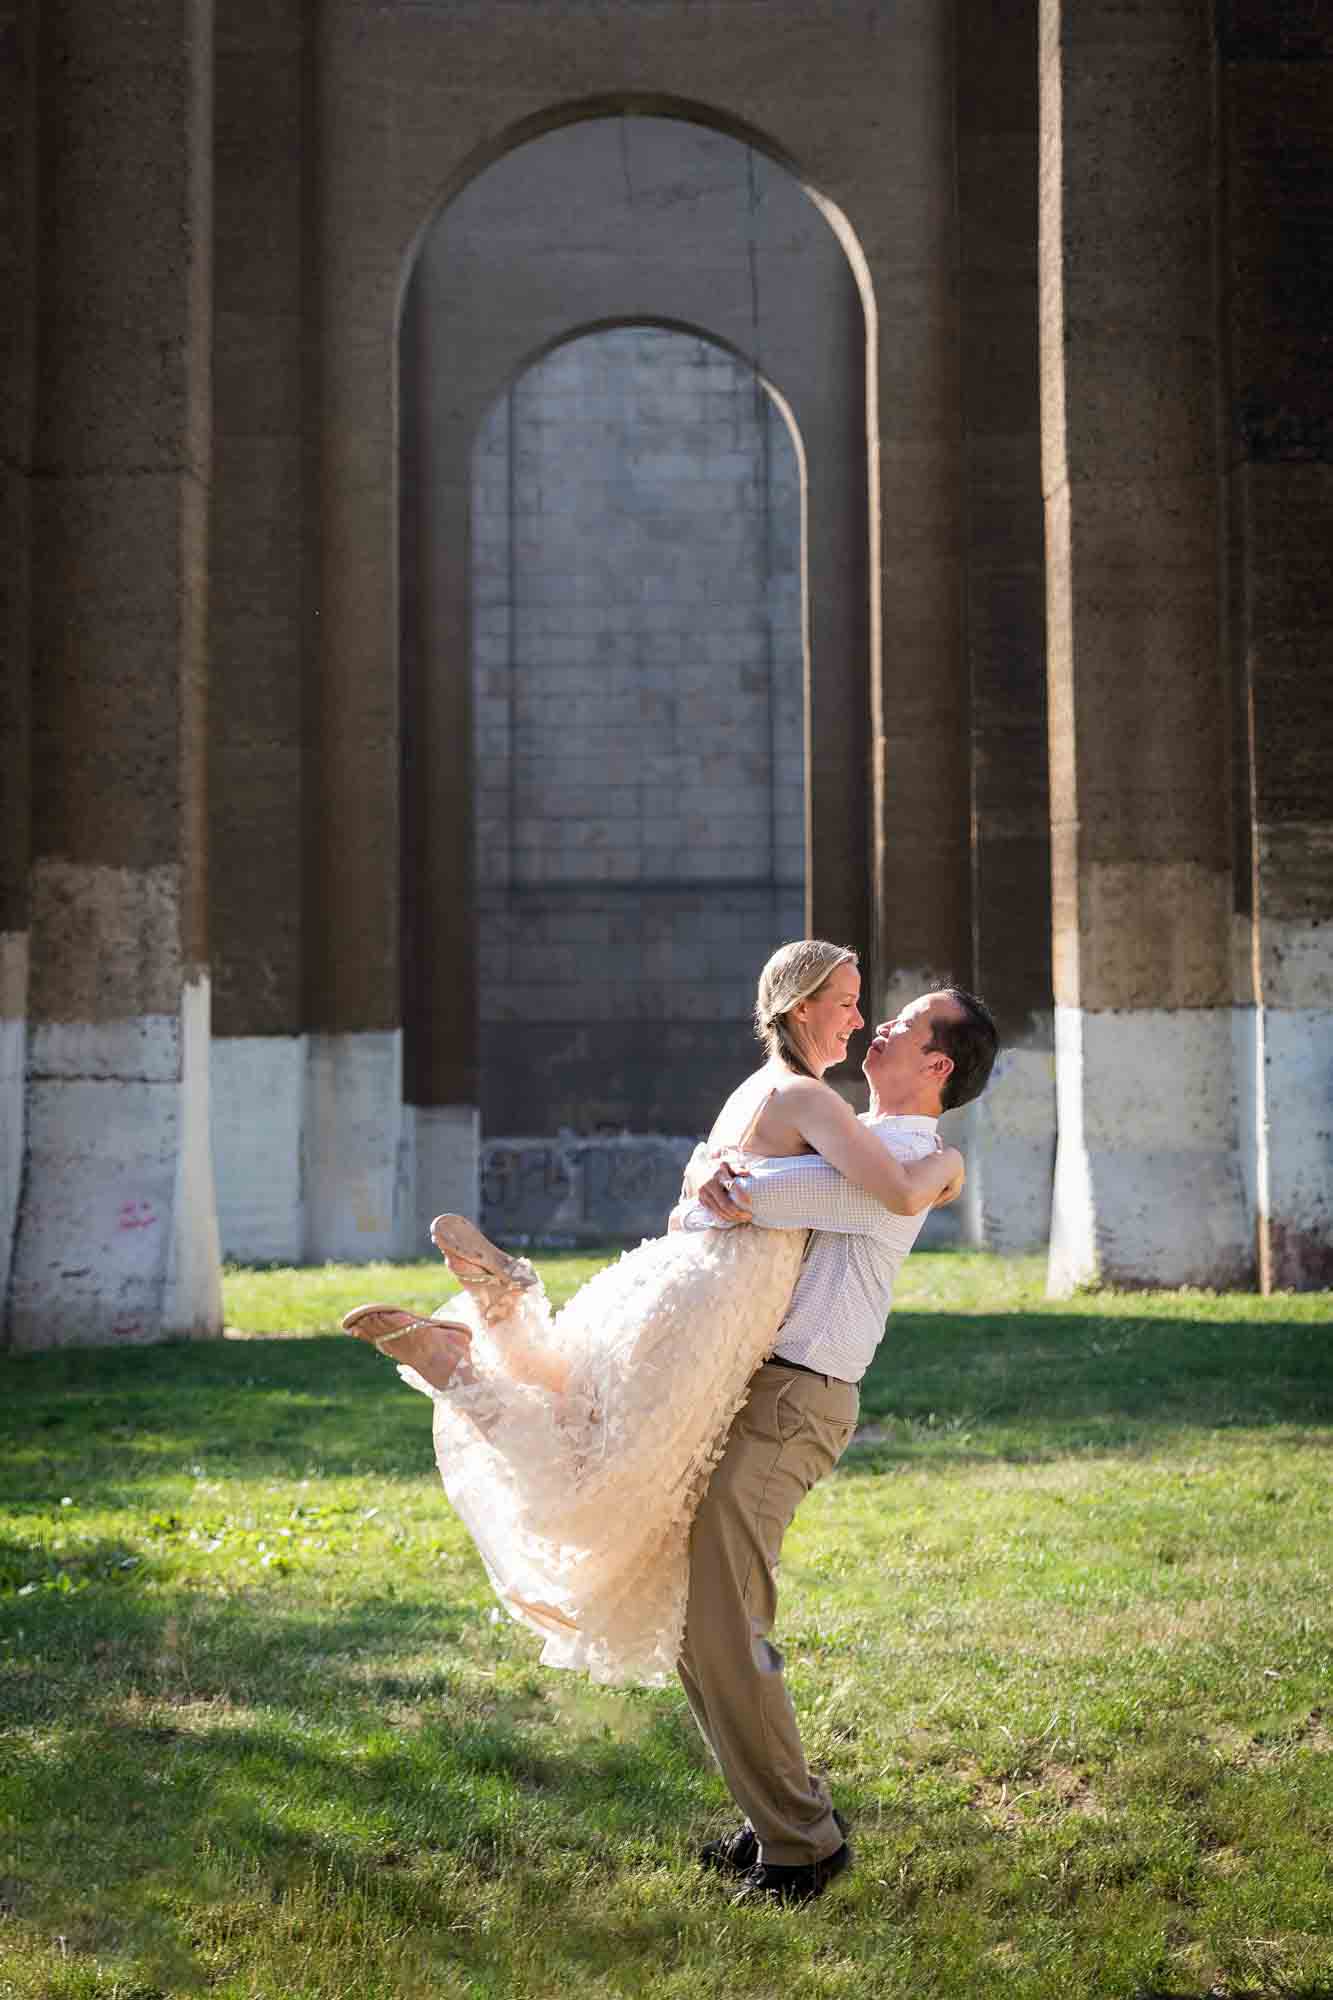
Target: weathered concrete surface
[
  {"x": 116, "y": 1236},
  {"x": 357, "y": 1169},
  {"x": 580, "y": 1190},
  {"x": 278, "y": 1201},
  {"x": 1009, "y": 1144},
  {"x": 447, "y": 1150},
  {"x": 260, "y": 531},
  {"x": 13, "y": 1086},
  {"x": 1148, "y": 1178},
  {"x": 17, "y": 327},
  {"x": 921, "y": 900},
  {"x": 1011, "y": 1138},
  {"x": 639, "y": 791},
  {"x": 1276, "y": 136},
  {"x": 1140, "y": 852},
  {"x": 258, "y": 1094},
  {"x": 17, "y": 320},
  {"x": 884, "y": 121},
  {"x": 601, "y": 1076},
  {"x": 658, "y": 221}
]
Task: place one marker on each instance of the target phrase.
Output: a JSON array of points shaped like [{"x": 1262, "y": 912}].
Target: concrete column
[
  {"x": 442, "y": 1119},
  {"x": 920, "y": 785},
  {"x": 17, "y": 308},
  {"x": 117, "y": 1237},
  {"x": 1010, "y": 1133},
  {"x": 439, "y": 877},
  {"x": 1275, "y": 77},
  {"x": 357, "y": 1143},
  {"x": 257, "y": 636},
  {"x": 1148, "y": 1187}
]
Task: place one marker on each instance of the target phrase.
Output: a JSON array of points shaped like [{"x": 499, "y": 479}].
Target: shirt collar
[{"x": 906, "y": 1121}]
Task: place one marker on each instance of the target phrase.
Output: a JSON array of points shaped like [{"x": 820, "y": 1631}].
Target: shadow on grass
[
  {"x": 205, "y": 1743},
  {"x": 198, "y": 1754},
  {"x": 1017, "y": 1386},
  {"x": 1002, "y": 1384},
  {"x": 258, "y": 1408}
]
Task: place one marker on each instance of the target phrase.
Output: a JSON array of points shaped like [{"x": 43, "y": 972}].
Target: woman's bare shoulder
[
  {"x": 798, "y": 1112},
  {"x": 794, "y": 1086},
  {"x": 740, "y": 1107},
  {"x": 795, "y": 1091}
]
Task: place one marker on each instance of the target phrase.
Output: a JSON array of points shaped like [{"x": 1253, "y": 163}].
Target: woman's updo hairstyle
[{"x": 794, "y": 973}]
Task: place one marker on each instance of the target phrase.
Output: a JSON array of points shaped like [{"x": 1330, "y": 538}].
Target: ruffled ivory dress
[{"x": 580, "y": 1499}]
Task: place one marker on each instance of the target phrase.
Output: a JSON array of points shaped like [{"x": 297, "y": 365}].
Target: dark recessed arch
[
  {"x": 742, "y": 255},
  {"x": 638, "y": 802}
]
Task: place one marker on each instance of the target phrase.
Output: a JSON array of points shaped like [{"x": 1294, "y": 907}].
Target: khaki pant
[{"x": 793, "y": 1429}]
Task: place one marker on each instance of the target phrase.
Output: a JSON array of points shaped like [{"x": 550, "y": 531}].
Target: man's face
[{"x": 900, "y": 1063}]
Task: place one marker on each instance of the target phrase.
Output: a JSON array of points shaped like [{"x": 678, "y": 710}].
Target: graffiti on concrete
[{"x": 580, "y": 1190}]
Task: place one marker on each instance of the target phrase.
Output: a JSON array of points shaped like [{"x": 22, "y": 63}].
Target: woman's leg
[
  {"x": 495, "y": 1279},
  {"x": 511, "y": 1299}
]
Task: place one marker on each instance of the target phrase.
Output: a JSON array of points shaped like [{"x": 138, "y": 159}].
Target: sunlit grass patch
[
  {"x": 1059, "y": 1631},
  {"x": 295, "y": 1299}
]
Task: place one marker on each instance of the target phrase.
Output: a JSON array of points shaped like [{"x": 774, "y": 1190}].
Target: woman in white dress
[{"x": 576, "y": 1445}]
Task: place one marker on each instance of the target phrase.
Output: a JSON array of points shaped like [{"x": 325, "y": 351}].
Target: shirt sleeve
[{"x": 807, "y": 1193}]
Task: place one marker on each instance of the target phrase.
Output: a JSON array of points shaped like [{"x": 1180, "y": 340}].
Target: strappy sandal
[
  {"x": 354, "y": 1322},
  {"x": 492, "y": 1276}
]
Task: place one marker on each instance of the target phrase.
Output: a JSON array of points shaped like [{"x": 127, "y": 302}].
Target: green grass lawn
[{"x": 1060, "y": 1629}]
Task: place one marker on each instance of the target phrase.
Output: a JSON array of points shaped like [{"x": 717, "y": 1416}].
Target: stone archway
[{"x": 651, "y": 220}]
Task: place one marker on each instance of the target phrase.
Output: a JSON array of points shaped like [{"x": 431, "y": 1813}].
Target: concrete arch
[
  {"x": 754, "y": 268},
  {"x": 396, "y": 110},
  {"x": 635, "y": 104}
]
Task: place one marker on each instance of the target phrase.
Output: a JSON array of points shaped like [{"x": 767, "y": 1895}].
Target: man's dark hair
[{"x": 971, "y": 1045}]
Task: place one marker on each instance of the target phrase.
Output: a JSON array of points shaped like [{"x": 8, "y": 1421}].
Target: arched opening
[
  {"x": 621, "y": 222},
  {"x": 638, "y": 679}
]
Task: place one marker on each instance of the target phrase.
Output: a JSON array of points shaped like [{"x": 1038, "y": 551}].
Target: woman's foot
[
  {"x": 439, "y": 1349},
  {"x": 491, "y": 1275}
]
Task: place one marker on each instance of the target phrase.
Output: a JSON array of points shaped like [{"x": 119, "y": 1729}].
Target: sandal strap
[
  {"x": 399, "y": 1331},
  {"x": 520, "y": 1278}
]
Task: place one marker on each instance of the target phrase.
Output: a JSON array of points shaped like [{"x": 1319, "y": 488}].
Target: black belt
[{"x": 781, "y": 1361}]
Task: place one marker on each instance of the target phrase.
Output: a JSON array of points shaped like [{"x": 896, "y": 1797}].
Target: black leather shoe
[
  {"x": 739, "y": 1852},
  {"x": 736, "y": 1855},
  {"x": 767, "y": 1881}
]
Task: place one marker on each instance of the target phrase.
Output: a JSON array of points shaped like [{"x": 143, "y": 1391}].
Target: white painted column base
[
  {"x": 117, "y": 1229},
  {"x": 1008, "y": 1139},
  {"x": 192, "y": 1296},
  {"x": 448, "y": 1168},
  {"x": 317, "y": 1157},
  {"x": 357, "y": 1148},
  {"x": 13, "y": 1089},
  {"x": 1296, "y": 1215},
  {"x": 1149, "y": 1188},
  {"x": 259, "y": 1087}
]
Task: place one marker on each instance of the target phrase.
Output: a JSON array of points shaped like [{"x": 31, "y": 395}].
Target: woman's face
[{"x": 826, "y": 1022}]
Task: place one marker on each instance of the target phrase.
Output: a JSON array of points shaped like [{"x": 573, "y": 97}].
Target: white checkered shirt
[{"x": 856, "y": 1249}]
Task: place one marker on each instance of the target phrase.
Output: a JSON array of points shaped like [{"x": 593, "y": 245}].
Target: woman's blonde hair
[{"x": 794, "y": 973}]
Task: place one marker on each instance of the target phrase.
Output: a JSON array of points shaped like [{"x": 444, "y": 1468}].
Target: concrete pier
[
  {"x": 1275, "y": 129},
  {"x": 116, "y": 1235},
  {"x": 510, "y": 512},
  {"x": 1149, "y": 1185}
]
